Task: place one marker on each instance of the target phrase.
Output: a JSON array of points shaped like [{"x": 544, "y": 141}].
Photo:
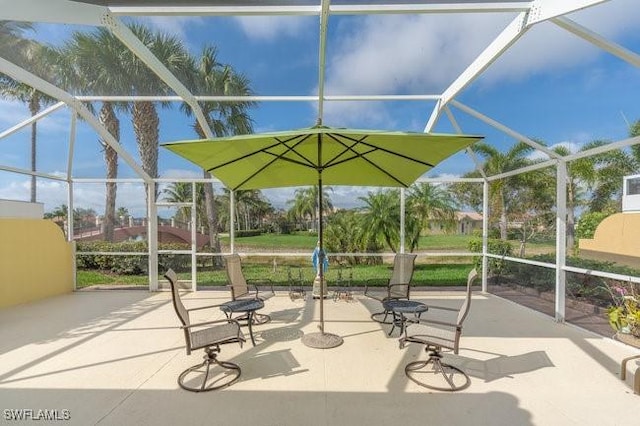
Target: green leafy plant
[{"x": 624, "y": 314}]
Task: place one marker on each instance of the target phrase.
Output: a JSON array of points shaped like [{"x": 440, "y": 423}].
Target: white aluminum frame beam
[
  {"x": 596, "y": 39},
  {"x": 31, "y": 119},
  {"x": 51, "y": 11},
  {"x": 37, "y": 83},
  {"x": 539, "y": 11},
  {"x": 310, "y": 10},
  {"x": 495, "y": 124},
  {"x": 259, "y": 98},
  {"x": 469, "y": 151},
  {"x": 536, "y": 166},
  {"x": 604, "y": 148},
  {"x": 485, "y": 201},
  {"x": 432, "y": 7},
  {"x": 499, "y": 45},
  {"x": 561, "y": 240},
  {"x": 543, "y": 10},
  {"x": 32, "y": 173},
  {"x": 128, "y": 38},
  {"x": 322, "y": 54}
]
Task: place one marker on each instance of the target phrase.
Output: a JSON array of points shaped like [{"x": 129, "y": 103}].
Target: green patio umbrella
[{"x": 324, "y": 156}]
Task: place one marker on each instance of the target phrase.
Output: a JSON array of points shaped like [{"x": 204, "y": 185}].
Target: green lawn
[
  {"x": 305, "y": 241},
  {"x": 275, "y": 241},
  {"x": 425, "y": 275},
  {"x": 429, "y": 271}
]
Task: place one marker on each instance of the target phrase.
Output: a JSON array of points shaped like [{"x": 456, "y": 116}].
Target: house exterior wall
[
  {"x": 617, "y": 239},
  {"x": 35, "y": 259}
]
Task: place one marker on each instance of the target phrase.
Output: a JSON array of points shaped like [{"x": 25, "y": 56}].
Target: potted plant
[{"x": 624, "y": 314}]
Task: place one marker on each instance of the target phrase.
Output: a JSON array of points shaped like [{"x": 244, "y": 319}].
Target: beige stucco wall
[
  {"x": 35, "y": 259},
  {"x": 617, "y": 235}
]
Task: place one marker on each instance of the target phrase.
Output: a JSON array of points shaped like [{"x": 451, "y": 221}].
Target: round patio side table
[{"x": 401, "y": 307}]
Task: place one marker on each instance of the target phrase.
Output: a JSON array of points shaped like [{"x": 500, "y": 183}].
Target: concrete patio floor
[{"x": 112, "y": 358}]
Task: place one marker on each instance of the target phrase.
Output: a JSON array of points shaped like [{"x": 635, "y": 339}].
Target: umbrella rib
[
  {"x": 235, "y": 160},
  {"x": 374, "y": 148},
  {"x": 277, "y": 157}
]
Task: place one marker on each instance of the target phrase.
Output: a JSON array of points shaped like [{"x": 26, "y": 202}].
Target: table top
[
  {"x": 404, "y": 306},
  {"x": 242, "y": 305}
]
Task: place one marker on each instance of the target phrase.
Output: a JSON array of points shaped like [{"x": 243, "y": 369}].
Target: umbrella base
[{"x": 322, "y": 340}]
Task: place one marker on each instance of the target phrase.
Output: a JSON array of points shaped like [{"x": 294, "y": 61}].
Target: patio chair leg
[
  {"x": 448, "y": 372},
  {"x": 382, "y": 321},
  {"x": 210, "y": 358},
  {"x": 257, "y": 318}
]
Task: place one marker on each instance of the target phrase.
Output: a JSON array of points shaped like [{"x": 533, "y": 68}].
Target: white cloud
[
  {"x": 13, "y": 113},
  {"x": 571, "y": 146},
  {"x": 175, "y": 25},
  {"x": 181, "y": 173},
  {"x": 270, "y": 28},
  {"x": 548, "y": 48},
  {"x": 425, "y": 53}
]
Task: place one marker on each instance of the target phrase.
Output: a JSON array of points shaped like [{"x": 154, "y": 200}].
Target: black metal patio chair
[
  {"x": 209, "y": 335},
  {"x": 437, "y": 335},
  {"x": 398, "y": 286}
]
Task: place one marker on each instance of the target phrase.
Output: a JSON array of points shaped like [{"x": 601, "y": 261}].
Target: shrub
[
  {"x": 499, "y": 247},
  {"x": 128, "y": 264},
  {"x": 248, "y": 233},
  {"x": 588, "y": 223}
]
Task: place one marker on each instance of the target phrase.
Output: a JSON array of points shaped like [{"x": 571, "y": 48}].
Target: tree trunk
[
  {"x": 212, "y": 222},
  {"x": 570, "y": 218},
  {"x": 112, "y": 124},
  {"x": 34, "y": 108},
  {"x": 503, "y": 219},
  {"x": 211, "y": 212},
  {"x": 145, "y": 126}
]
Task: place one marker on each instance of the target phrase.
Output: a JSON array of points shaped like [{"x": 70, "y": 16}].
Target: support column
[
  {"x": 232, "y": 220},
  {"x": 194, "y": 245},
  {"x": 485, "y": 233},
  {"x": 403, "y": 199},
  {"x": 152, "y": 236},
  {"x": 561, "y": 239}
]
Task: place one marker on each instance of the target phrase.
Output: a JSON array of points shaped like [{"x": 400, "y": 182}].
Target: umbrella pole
[
  {"x": 321, "y": 255},
  {"x": 321, "y": 340}
]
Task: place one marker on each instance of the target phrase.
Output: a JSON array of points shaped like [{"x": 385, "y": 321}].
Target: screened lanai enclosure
[{"x": 92, "y": 89}]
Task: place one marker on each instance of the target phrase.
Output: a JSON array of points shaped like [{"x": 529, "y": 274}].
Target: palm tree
[
  {"x": 35, "y": 57},
  {"x": 92, "y": 65},
  {"x": 425, "y": 203},
  {"x": 142, "y": 81},
  {"x": 305, "y": 203},
  {"x": 381, "y": 219},
  {"x": 211, "y": 77},
  {"x": 181, "y": 192},
  {"x": 496, "y": 162},
  {"x": 251, "y": 205},
  {"x": 603, "y": 173},
  {"x": 634, "y": 131}
]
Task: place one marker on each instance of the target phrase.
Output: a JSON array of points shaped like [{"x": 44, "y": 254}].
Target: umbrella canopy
[
  {"x": 343, "y": 156},
  {"x": 321, "y": 155}
]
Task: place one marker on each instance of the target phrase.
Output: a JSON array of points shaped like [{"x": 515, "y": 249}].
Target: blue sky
[{"x": 551, "y": 86}]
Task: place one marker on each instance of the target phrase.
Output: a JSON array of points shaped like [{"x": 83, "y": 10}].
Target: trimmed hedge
[
  {"x": 579, "y": 286},
  {"x": 499, "y": 247},
  {"x": 129, "y": 264}
]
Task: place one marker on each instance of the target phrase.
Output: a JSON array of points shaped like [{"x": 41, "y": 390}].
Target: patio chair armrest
[
  {"x": 263, "y": 282},
  {"x": 425, "y": 321},
  {"x": 369, "y": 283},
  {"x": 442, "y": 308},
  {"x": 197, "y": 308},
  {"x": 391, "y": 287},
  {"x": 201, "y": 324}
]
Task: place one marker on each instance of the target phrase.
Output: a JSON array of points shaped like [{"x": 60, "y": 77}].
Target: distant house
[{"x": 466, "y": 223}]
